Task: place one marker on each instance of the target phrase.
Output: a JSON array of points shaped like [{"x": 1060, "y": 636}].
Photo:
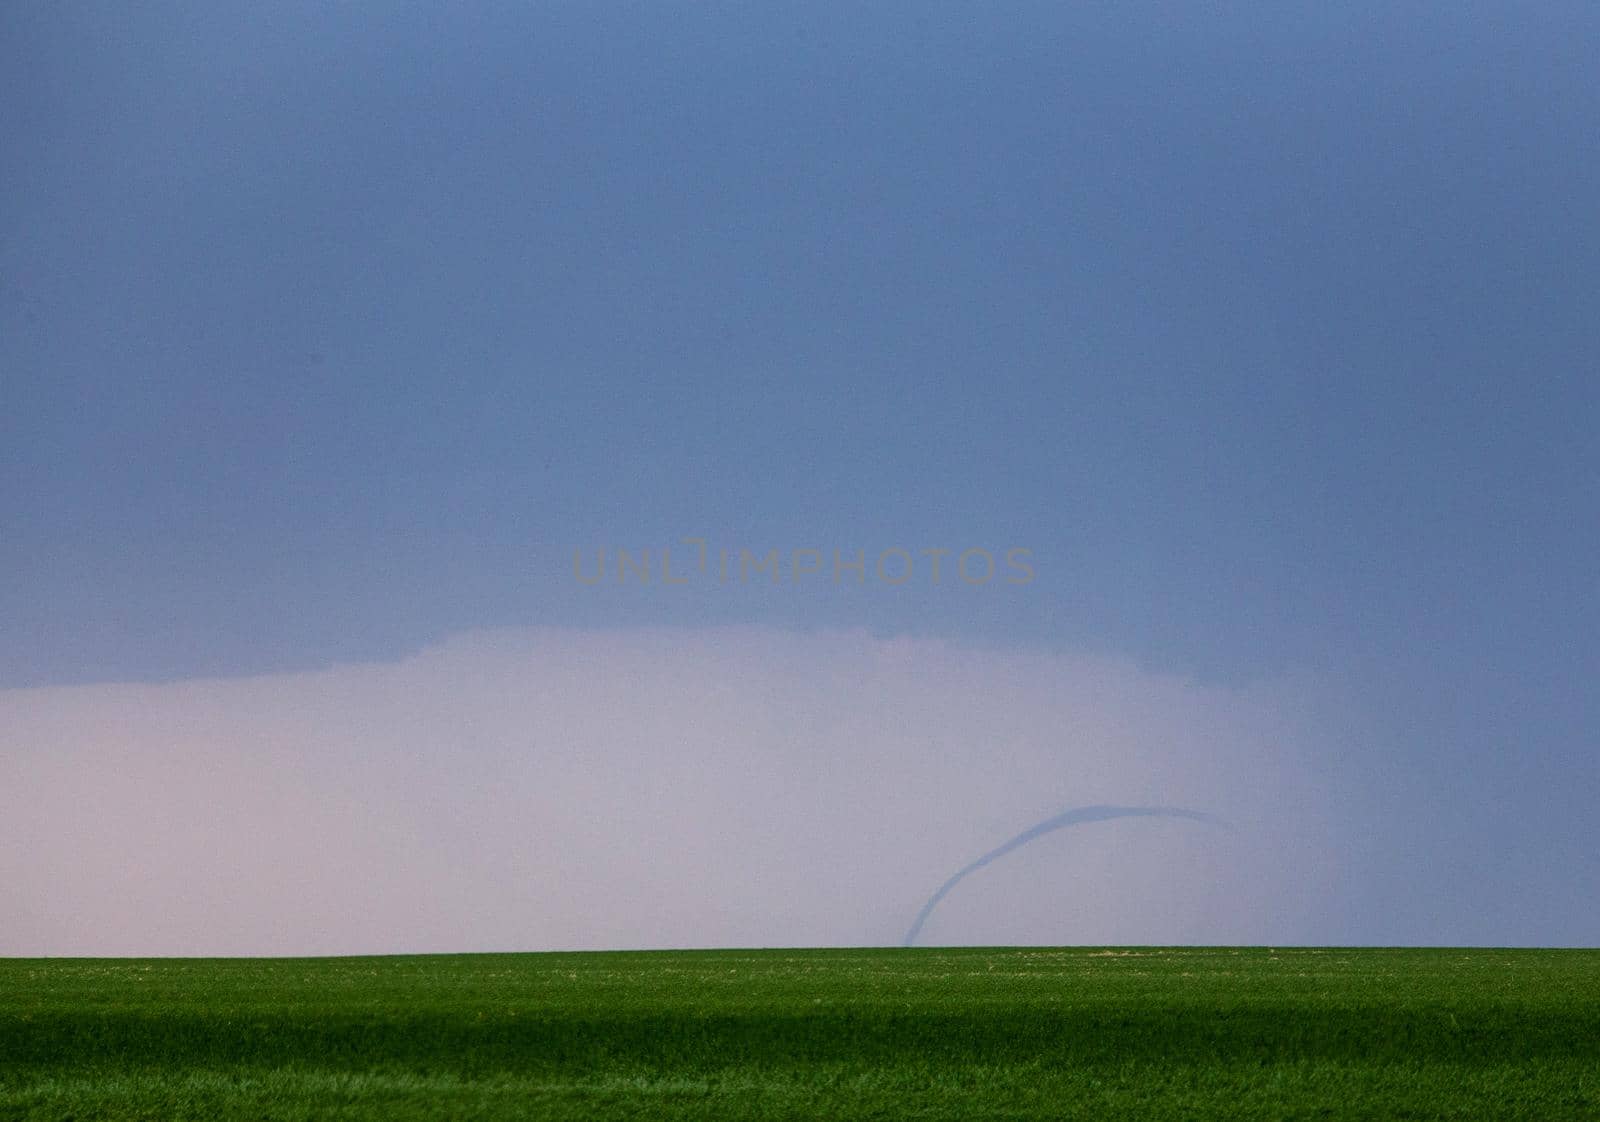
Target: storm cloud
[{"x": 527, "y": 790}]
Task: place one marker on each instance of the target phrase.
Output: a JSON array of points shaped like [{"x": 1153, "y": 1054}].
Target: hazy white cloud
[{"x": 561, "y": 789}]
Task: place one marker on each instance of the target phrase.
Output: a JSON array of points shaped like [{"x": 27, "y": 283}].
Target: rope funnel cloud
[{"x": 1060, "y": 821}]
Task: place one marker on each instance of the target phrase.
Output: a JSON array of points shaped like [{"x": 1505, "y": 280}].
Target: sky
[{"x": 1237, "y": 365}]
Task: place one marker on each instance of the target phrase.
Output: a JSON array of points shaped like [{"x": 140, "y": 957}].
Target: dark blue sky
[{"x": 327, "y": 332}]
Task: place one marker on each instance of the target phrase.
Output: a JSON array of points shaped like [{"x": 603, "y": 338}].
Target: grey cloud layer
[{"x": 548, "y": 789}]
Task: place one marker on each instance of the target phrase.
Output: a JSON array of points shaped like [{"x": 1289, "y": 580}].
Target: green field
[{"x": 922, "y": 1033}]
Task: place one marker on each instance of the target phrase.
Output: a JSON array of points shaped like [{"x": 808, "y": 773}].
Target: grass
[{"x": 922, "y": 1033}]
